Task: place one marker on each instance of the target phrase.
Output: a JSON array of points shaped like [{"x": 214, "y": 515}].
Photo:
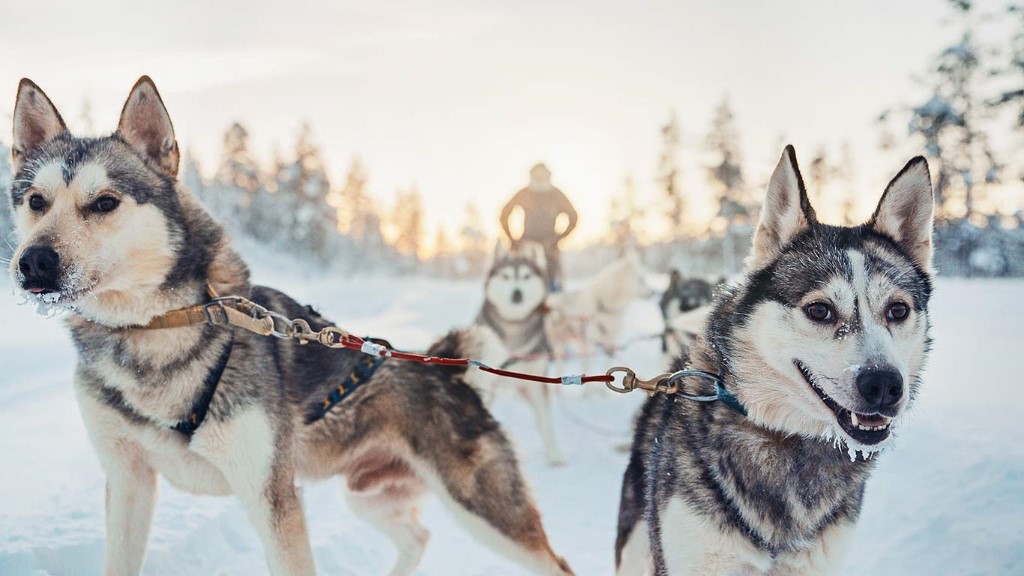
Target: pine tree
[
  {"x": 726, "y": 175},
  {"x": 668, "y": 178},
  {"x": 237, "y": 182},
  {"x": 356, "y": 215},
  {"x": 950, "y": 123},
  {"x": 302, "y": 192},
  {"x": 86, "y": 127},
  {"x": 473, "y": 242},
  {"x": 407, "y": 223},
  {"x": 845, "y": 173},
  {"x": 625, "y": 214},
  {"x": 442, "y": 253},
  {"x": 726, "y": 172}
]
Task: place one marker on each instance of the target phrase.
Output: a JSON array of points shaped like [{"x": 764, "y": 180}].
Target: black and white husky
[
  {"x": 105, "y": 228},
  {"x": 821, "y": 347},
  {"x": 514, "y": 309}
]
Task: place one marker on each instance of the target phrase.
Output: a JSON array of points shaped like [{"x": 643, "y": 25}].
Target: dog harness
[
  {"x": 362, "y": 372},
  {"x": 197, "y": 414}
]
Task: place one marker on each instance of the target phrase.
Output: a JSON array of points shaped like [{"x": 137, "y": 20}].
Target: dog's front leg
[
  {"x": 130, "y": 499},
  {"x": 130, "y": 487},
  {"x": 824, "y": 558},
  {"x": 257, "y": 463}
]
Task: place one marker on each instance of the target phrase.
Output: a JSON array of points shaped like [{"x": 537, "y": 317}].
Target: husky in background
[
  {"x": 821, "y": 348},
  {"x": 592, "y": 315},
  {"x": 514, "y": 309},
  {"x": 685, "y": 305},
  {"x": 106, "y": 230}
]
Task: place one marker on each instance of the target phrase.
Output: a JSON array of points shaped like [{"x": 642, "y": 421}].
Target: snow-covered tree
[
  {"x": 726, "y": 176},
  {"x": 668, "y": 178},
  {"x": 357, "y": 216},
  {"x": 845, "y": 172},
  {"x": 726, "y": 171},
  {"x": 1013, "y": 95},
  {"x": 86, "y": 125},
  {"x": 302, "y": 190},
  {"x": 625, "y": 214},
  {"x": 473, "y": 242},
  {"x": 407, "y": 222},
  {"x": 443, "y": 254},
  {"x": 949, "y": 123},
  {"x": 236, "y": 183}
]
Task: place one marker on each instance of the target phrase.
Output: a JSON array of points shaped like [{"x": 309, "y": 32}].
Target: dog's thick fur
[
  {"x": 514, "y": 310},
  {"x": 709, "y": 491},
  {"x": 132, "y": 245},
  {"x": 593, "y": 314}
]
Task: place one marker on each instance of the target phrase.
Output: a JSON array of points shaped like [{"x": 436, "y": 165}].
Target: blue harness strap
[
  {"x": 729, "y": 399},
  {"x": 362, "y": 373}
]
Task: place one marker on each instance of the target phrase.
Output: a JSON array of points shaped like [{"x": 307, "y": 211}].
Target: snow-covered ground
[{"x": 948, "y": 499}]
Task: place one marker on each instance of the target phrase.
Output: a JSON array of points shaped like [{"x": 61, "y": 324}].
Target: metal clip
[
  {"x": 660, "y": 383},
  {"x": 332, "y": 337}
]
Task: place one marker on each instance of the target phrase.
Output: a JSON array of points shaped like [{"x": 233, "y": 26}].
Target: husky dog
[
  {"x": 819, "y": 348},
  {"x": 514, "y": 310},
  {"x": 106, "y": 230},
  {"x": 593, "y": 314},
  {"x": 684, "y": 308}
]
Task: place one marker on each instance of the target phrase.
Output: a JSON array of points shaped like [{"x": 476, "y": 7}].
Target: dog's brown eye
[
  {"x": 105, "y": 204},
  {"x": 36, "y": 203},
  {"x": 819, "y": 312},
  {"x": 897, "y": 311}
]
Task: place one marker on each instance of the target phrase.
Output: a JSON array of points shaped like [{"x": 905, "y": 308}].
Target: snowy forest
[{"x": 973, "y": 90}]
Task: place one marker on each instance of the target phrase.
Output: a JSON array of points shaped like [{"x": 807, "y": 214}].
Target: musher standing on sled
[{"x": 542, "y": 204}]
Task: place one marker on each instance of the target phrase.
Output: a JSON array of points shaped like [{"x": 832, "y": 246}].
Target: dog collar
[{"x": 722, "y": 394}]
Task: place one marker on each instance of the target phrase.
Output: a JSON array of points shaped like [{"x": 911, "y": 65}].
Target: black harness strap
[{"x": 190, "y": 424}]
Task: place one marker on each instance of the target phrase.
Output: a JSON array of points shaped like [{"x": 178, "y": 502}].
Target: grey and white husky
[
  {"x": 106, "y": 229},
  {"x": 820, "y": 348},
  {"x": 514, "y": 309}
]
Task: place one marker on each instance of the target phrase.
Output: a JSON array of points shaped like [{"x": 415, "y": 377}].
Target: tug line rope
[{"x": 243, "y": 313}]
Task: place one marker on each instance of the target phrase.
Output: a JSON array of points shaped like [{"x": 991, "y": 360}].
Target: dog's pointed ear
[
  {"x": 36, "y": 121},
  {"x": 906, "y": 212},
  {"x": 500, "y": 250},
  {"x": 786, "y": 211},
  {"x": 146, "y": 127}
]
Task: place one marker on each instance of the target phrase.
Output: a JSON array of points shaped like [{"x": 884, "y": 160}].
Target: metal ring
[{"x": 628, "y": 380}]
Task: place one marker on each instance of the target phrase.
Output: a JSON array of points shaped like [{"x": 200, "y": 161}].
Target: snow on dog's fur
[
  {"x": 105, "y": 228},
  {"x": 823, "y": 342}
]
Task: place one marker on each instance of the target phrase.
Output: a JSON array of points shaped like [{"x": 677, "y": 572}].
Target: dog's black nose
[
  {"x": 517, "y": 296},
  {"x": 39, "y": 265},
  {"x": 880, "y": 387}
]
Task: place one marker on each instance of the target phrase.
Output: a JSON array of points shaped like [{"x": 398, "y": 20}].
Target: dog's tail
[{"x": 477, "y": 343}]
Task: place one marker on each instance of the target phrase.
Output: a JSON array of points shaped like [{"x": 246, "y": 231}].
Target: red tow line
[{"x": 372, "y": 348}]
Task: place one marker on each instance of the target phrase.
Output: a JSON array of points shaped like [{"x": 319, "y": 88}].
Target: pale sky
[{"x": 461, "y": 98}]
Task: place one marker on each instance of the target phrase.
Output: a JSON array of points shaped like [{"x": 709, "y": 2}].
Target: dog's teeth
[{"x": 854, "y": 420}]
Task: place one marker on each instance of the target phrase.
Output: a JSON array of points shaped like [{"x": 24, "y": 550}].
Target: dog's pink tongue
[{"x": 37, "y": 290}]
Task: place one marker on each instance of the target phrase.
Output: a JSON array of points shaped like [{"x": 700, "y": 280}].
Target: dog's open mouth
[{"x": 867, "y": 429}]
